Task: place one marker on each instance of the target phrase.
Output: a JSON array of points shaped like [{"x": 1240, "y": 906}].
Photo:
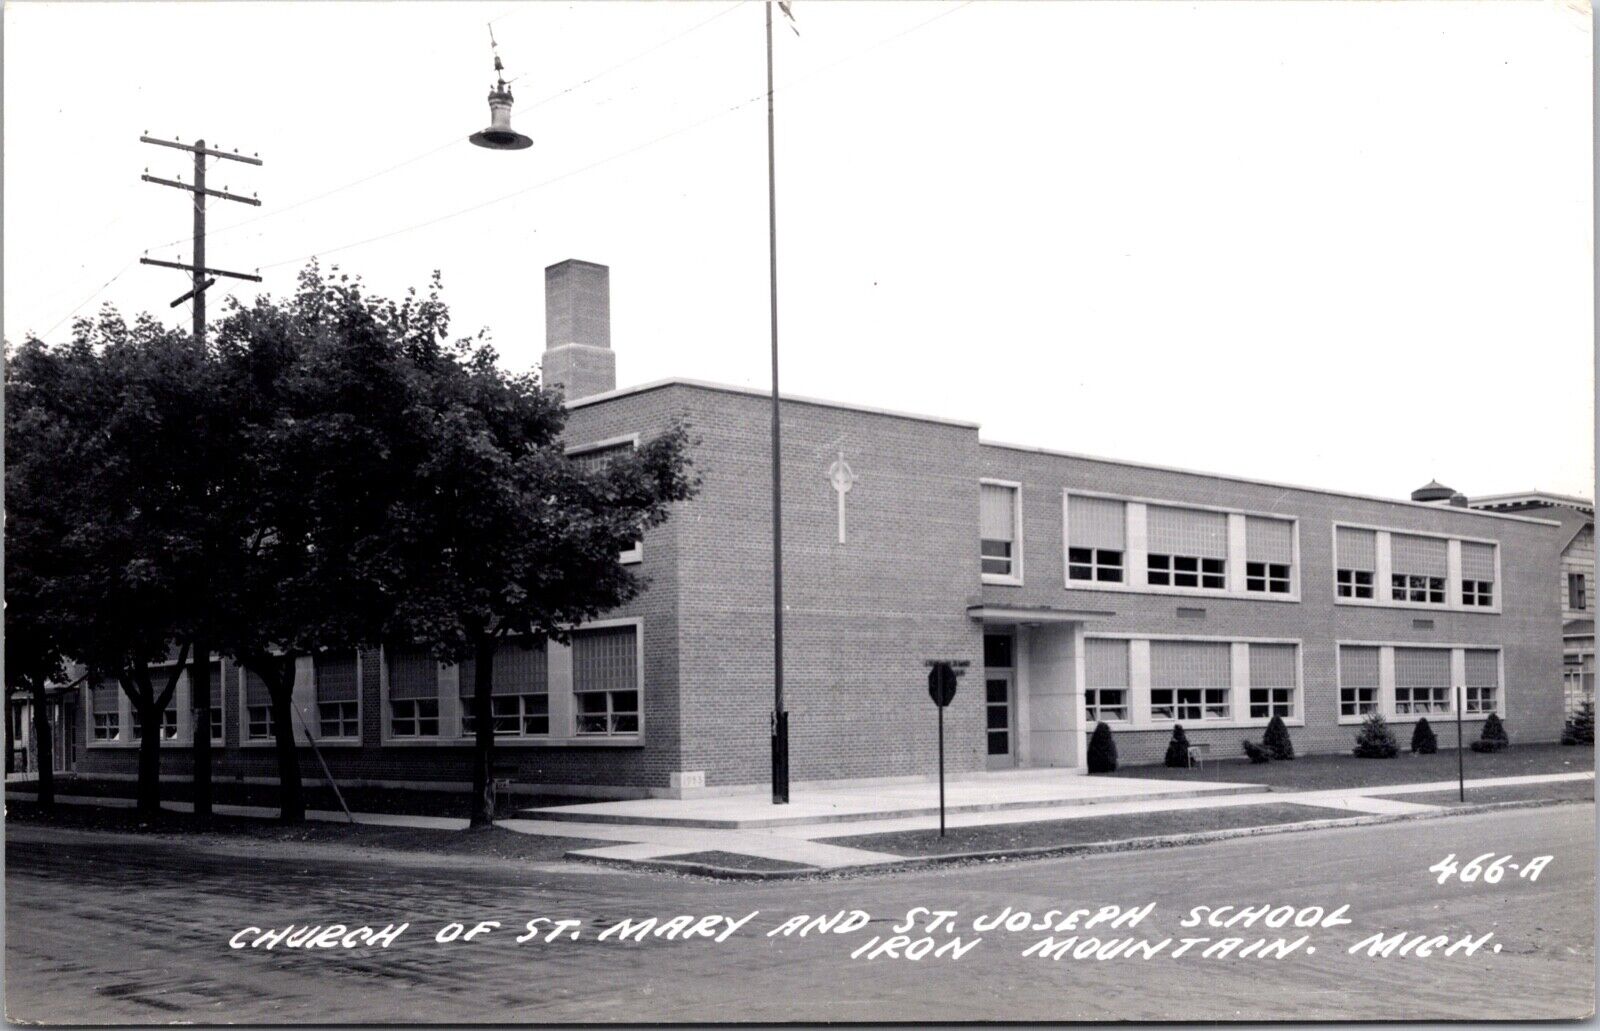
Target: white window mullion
[
  {"x": 1239, "y": 665},
  {"x": 1385, "y": 674},
  {"x": 1138, "y": 557},
  {"x": 1385, "y": 573},
  {"x": 1236, "y": 553},
  {"x": 1139, "y": 682},
  {"x": 1458, "y": 676},
  {"x": 559, "y": 677},
  {"x": 451, "y": 706},
  {"x": 1452, "y": 576}
]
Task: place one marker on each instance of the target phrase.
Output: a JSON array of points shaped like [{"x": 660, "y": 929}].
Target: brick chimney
[{"x": 577, "y": 329}]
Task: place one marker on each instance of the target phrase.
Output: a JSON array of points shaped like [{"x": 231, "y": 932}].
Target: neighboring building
[
  {"x": 1077, "y": 588},
  {"x": 1575, "y": 581}
]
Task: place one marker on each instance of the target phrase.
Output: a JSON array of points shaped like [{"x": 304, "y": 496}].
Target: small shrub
[
  {"x": 1276, "y": 740},
  {"x": 1102, "y": 750},
  {"x": 1493, "y": 738},
  {"x": 1257, "y": 753},
  {"x": 1178, "y": 748},
  {"x": 1375, "y": 740},
  {"x": 1423, "y": 741},
  {"x": 1580, "y": 728}
]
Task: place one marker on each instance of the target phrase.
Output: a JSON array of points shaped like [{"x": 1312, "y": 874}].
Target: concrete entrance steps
[{"x": 821, "y": 805}]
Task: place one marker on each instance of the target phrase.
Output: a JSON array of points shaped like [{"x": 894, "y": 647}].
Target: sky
[{"x": 1348, "y": 245}]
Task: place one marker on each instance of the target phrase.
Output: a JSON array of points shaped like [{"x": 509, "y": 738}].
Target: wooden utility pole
[{"x": 200, "y": 278}]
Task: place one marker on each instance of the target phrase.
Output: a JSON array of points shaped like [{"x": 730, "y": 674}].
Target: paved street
[{"x": 138, "y": 932}]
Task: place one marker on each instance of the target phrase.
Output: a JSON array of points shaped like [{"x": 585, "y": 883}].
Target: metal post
[
  {"x": 780, "y": 719},
  {"x": 1461, "y": 763},
  {"x": 941, "y": 771}
]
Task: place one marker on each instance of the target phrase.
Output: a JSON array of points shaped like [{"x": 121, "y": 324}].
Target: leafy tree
[
  {"x": 500, "y": 534},
  {"x": 1257, "y": 753},
  {"x": 1276, "y": 740},
  {"x": 1102, "y": 750},
  {"x": 1375, "y": 740},
  {"x": 1579, "y": 729},
  {"x": 1493, "y": 738},
  {"x": 1423, "y": 740},
  {"x": 1178, "y": 748}
]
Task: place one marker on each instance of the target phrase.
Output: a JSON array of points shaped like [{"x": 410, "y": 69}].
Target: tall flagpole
[{"x": 780, "y": 718}]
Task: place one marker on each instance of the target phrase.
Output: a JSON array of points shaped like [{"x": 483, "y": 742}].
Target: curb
[{"x": 723, "y": 873}]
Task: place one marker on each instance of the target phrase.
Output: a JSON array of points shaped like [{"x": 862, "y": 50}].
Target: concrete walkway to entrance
[{"x": 828, "y": 804}]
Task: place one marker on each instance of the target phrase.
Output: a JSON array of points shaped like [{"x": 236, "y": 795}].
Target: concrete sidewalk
[{"x": 801, "y": 843}]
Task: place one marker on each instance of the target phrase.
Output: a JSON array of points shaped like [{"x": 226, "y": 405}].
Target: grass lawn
[
  {"x": 401, "y": 801},
  {"x": 1315, "y": 772},
  {"x": 1084, "y": 830},
  {"x": 734, "y": 861},
  {"x": 496, "y": 842},
  {"x": 1562, "y": 789}
]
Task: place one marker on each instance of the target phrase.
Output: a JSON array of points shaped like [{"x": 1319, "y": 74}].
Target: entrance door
[{"x": 999, "y": 705}]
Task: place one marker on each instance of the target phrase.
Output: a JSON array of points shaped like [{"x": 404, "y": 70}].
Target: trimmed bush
[
  {"x": 1276, "y": 740},
  {"x": 1102, "y": 750},
  {"x": 1494, "y": 737},
  {"x": 1580, "y": 728},
  {"x": 1423, "y": 741},
  {"x": 1375, "y": 740},
  {"x": 1178, "y": 748},
  {"x": 1257, "y": 753}
]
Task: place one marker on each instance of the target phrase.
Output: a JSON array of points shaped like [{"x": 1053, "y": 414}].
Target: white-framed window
[
  {"x": 338, "y": 691},
  {"x": 605, "y": 680},
  {"x": 1482, "y": 668},
  {"x": 413, "y": 693},
  {"x": 1577, "y": 591},
  {"x": 259, "y": 724},
  {"x": 1000, "y": 531},
  {"x": 1269, "y": 555},
  {"x": 1419, "y": 568},
  {"x": 1355, "y": 561},
  {"x": 1188, "y": 548},
  {"x": 1477, "y": 574},
  {"x": 520, "y": 704},
  {"x": 1105, "y": 677},
  {"x": 169, "y": 725},
  {"x": 414, "y": 717},
  {"x": 1097, "y": 539},
  {"x": 1274, "y": 676},
  {"x": 1358, "y": 679},
  {"x": 594, "y": 457},
  {"x": 1577, "y": 680},
  {"x": 1191, "y": 681},
  {"x": 217, "y": 733},
  {"x": 1421, "y": 681},
  {"x": 105, "y": 705}
]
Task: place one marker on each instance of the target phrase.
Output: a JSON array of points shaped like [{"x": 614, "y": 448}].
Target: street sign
[{"x": 941, "y": 684}]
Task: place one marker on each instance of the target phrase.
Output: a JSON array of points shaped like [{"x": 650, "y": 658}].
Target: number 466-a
[{"x": 1489, "y": 868}]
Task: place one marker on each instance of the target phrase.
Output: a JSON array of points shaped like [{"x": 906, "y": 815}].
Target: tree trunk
[
  {"x": 148, "y": 794},
  {"x": 42, "y": 757},
  {"x": 200, "y": 695},
  {"x": 280, "y": 688},
  {"x": 11, "y": 744},
  {"x": 483, "y": 650}
]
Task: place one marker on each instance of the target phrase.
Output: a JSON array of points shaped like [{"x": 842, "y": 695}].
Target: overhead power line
[{"x": 759, "y": 97}]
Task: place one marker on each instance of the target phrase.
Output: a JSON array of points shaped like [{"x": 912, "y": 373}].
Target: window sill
[
  {"x": 1179, "y": 592},
  {"x": 1416, "y": 606},
  {"x": 1189, "y": 725},
  {"x": 632, "y": 741},
  {"x": 1002, "y": 581},
  {"x": 1436, "y": 719}
]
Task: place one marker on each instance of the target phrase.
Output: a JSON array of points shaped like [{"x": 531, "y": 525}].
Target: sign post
[
  {"x": 1461, "y": 765},
  {"x": 942, "y": 689}
]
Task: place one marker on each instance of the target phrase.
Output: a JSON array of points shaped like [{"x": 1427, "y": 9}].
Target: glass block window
[
  {"x": 1105, "y": 677},
  {"x": 105, "y": 706},
  {"x": 259, "y": 724},
  {"x": 1273, "y": 677},
  {"x": 1419, "y": 568},
  {"x": 1358, "y": 680},
  {"x": 605, "y": 680},
  {"x": 1190, "y": 680},
  {"x": 1482, "y": 680},
  {"x": 1477, "y": 574},
  {"x": 1188, "y": 548},
  {"x": 338, "y": 695},
  {"x": 1356, "y": 561},
  {"x": 519, "y": 702},
  {"x": 1269, "y": 554},
  {"x": 1421, "y": 680},
  {"x": 413, "y": 692},
  {"x": 1097, "y": 534},
  {"x": 997, "y": 514},
  {"x": 594, "y": 460}
]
